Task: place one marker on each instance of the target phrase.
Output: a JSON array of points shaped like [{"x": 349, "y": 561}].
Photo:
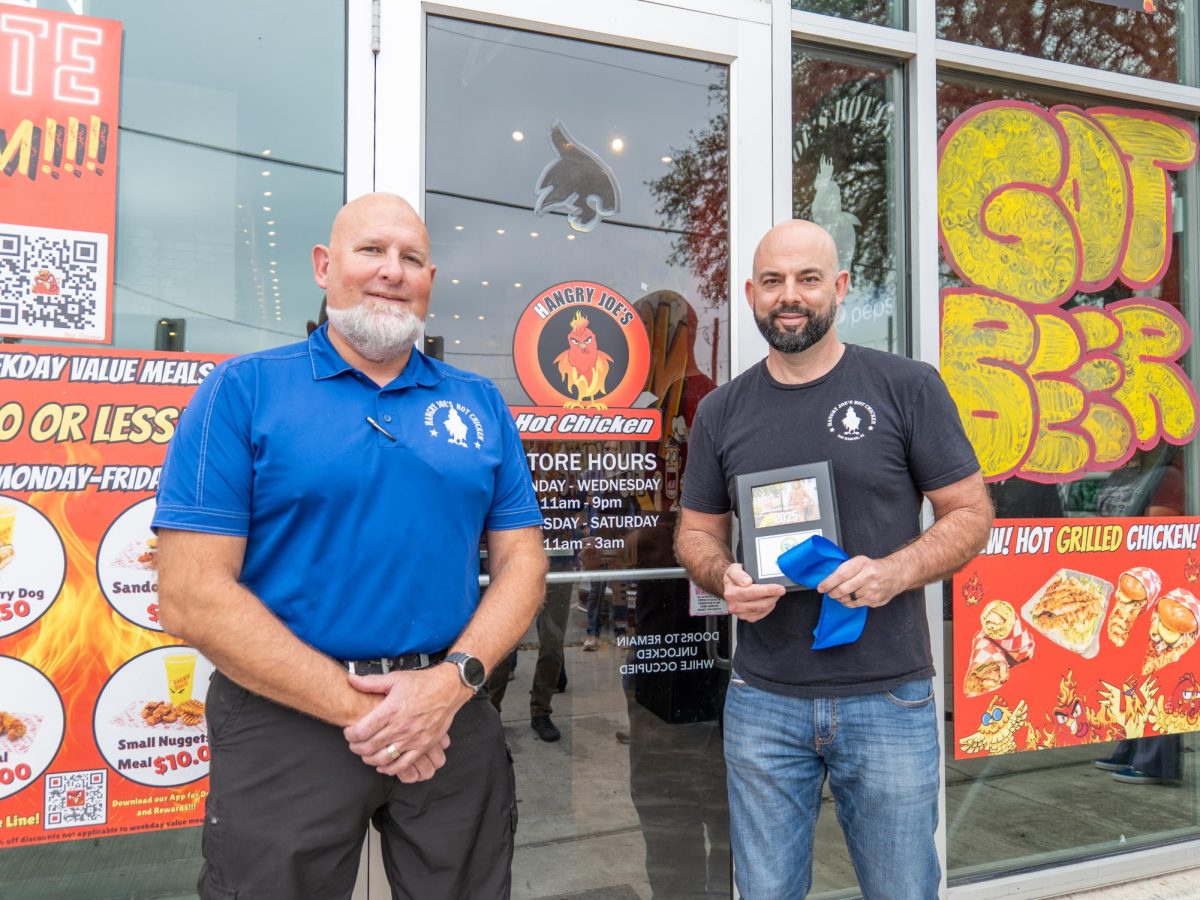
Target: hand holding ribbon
[{"x": 808, "y": 564}]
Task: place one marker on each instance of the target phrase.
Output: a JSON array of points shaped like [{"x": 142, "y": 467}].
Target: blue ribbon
[{"x": 808, "y": 564}]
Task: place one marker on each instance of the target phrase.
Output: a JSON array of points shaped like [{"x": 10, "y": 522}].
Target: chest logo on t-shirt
[
  {"x": 851, "y": 420},
  {"x": 454, "y": 422}
]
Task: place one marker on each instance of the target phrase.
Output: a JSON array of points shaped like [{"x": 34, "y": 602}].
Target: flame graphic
[{"x": 81, "y": 640}]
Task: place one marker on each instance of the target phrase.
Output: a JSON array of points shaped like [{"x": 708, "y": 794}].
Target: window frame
[{"x": 925, "y": 57}]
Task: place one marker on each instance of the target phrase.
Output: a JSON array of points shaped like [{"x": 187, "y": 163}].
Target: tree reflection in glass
[{"x": 1099, "y": 34}]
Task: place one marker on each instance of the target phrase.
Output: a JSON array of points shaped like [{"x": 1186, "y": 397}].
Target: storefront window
[
  {"x": 229, "y": 167},
  {"x": 874, "y": 12},
  {"x": 223, "y": 188},
  {"x": 1147, "y": 38},
  {"x": 577, "y": 197},
  {"x": 847, "y": 165},
  {"x": 1054, "y": 255}
]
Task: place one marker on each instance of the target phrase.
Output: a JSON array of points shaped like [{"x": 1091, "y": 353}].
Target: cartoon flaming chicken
[
  {"x": 997, "y": 732},
  {"x": 972, "y": 589},
  {"x": 583, "y": 366},
  {"x": 1068, "y": 708},
  {"x": 1181, "y": 711},
  {"x": 1129, "y": 706},
  {"x": 44, "y": 282}
]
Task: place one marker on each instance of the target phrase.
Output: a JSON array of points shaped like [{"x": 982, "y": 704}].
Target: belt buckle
[{"x": 385, "y": 664}]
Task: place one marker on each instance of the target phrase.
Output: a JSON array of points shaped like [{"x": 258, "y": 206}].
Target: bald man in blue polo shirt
[{"x": 319, "y": 520}]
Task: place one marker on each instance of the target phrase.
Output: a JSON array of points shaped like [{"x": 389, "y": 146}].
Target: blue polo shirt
[{"x": 362, "y": 545}]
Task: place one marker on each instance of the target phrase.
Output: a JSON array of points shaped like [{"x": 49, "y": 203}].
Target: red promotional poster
[
  {"x": 1077, "y": 631},
  {"x": 59, "y": 95},
  {"x": 102, "y": 727}
]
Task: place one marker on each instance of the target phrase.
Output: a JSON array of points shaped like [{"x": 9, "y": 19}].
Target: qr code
[
  {"x": 76, "y": 798},
  {"x": 53, "y": 283}
]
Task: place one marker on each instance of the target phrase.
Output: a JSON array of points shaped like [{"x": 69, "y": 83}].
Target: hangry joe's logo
[{"x": 582, "y": 355}]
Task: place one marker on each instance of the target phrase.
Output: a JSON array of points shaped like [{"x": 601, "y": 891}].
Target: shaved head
[
  {"x": 380, "y": 206},
  {"x": 798, "y": 235}
]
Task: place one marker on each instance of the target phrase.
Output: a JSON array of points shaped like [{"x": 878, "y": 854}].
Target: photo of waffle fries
[
  {"x": 160, "y": 713},
  {"x": 190, "y": 712},
  {"x": 1069, "y": 609}
]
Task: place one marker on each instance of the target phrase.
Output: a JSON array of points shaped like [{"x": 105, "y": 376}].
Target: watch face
[{"x": 473, "y": 671}]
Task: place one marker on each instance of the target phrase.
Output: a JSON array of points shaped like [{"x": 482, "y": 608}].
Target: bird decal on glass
[{"x": 576, "y": 182}]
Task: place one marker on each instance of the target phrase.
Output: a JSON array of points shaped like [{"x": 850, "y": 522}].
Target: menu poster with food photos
[
  {"x": 1077, "y": 631},
  {"x": 102, "y": 727},
  {"x": 60, "y": 91}
]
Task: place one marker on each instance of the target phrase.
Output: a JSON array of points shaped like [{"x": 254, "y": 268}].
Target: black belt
[{"x": 405, "y": 662}]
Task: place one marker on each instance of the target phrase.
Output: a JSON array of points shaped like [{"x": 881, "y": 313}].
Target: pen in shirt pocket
[{"x": 380, "y": 429}]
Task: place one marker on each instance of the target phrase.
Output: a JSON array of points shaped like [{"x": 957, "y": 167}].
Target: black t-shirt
[{"x": 892, "y": 432}]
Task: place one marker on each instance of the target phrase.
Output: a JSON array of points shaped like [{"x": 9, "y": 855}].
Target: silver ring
[{"x": 392, "y": 752}]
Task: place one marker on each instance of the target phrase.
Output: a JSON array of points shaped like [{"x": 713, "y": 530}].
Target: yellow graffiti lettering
[
  {"x": 1003, "y": 226},
  {"x": 1035, "y": 207},
  {"x": 1156, "y": 392},
  {"x": 1151, "y": 145},
  {"x": 980, "y": 334},
  {"x": 1057, "y": 448},
  {"x": 1111, "y": 431},
  {"x": 1096, "y": 192}
]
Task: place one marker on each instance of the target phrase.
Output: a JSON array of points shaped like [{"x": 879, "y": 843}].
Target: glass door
[{"x": 587, "y": 193}]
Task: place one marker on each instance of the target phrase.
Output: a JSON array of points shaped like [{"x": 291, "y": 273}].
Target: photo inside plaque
[
  {"x": 785, "y": 502},
  {"x": 770, "y": 547}
]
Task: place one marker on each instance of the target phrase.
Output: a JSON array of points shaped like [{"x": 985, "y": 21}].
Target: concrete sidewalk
[{"x": 1183, "y": 885}]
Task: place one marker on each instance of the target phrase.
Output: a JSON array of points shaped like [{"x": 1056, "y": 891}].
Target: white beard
[{"x": 379, "y": 331}]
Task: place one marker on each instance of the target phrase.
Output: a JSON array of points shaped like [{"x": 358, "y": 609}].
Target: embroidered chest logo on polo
[
  {"x": 455, "y": 423},
  {"x": 851, "y": 420}
]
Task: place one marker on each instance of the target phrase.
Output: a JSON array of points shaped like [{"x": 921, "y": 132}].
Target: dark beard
[{"x": 815, "y": 328}]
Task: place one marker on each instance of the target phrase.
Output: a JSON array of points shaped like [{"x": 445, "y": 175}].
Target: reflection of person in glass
[
  {"x": 319, "y": 535},
  {"x": 676, "y": 771},
  {"x": 1152, "y": 485},
  {"x": 861, "y": 714}
]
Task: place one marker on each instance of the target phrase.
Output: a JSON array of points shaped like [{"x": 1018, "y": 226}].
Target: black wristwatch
[{"x": 470, "y": 670}]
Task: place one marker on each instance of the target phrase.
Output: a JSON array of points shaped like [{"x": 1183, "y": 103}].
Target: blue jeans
[
  {"x": 882, "y": 756},
  {"x": 594, "y": 598}
]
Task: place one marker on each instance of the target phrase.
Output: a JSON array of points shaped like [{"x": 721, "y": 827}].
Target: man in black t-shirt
[{"x": 861, "y": 713}]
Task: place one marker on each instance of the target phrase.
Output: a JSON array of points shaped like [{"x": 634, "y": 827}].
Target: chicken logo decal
[
  {"x": 576, "y": 182},
  {"x": 457, "y": 428},
  {"x": 580, "y": 391},
  {"x": 454, "y": 423},
  {"x": 583, "y": 366},
  {"x": 828, "y": 213},
  {"x": 44, "y": 282}
]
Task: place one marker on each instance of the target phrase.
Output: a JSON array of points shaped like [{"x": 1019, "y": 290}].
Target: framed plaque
[{"x": 779, "y": 508}]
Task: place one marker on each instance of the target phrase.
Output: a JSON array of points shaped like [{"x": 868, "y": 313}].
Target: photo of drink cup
[{"x": 181, "y": 674}]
